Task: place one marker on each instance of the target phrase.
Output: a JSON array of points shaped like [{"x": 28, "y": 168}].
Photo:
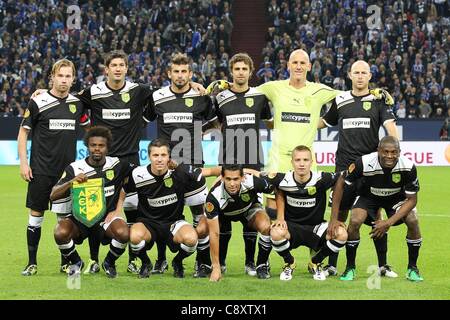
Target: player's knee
[
  {"x": 277, "y": 234},
  {"x": 341, "y": 234},
  {"x": 356, "y": 221},
  {"x": 190, "y": 238},
  {"x": 136, "y": 235},
  {"x": 411, "y": 220},
  {"x": 62, "y": 233},
  {"x": 122, "y": 234},
  {"x": 202, "y": 230}
]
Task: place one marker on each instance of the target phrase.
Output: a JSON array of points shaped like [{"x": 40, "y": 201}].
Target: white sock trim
[
  {"x": 35, "y": 221},
  {"x": 118, "y": 245},
  {"x": 138, "y": 247},
  {"x": 189, "y": 249},
  {"x": 66, "y": 246}
]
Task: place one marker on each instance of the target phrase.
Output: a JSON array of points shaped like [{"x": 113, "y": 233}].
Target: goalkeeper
[{"x": 359, "y": 113}]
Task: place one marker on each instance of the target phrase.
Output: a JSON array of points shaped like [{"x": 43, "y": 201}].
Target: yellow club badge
[
  {"x": 168, "y": 182},
  {"x": 125, "y": 97},
  {"x": 72, "y": 108},
  {"x": 396, "y": 177},
  {"x": 27, "y": 113},
  {"x": 189, "y": 102},
  {"x": 249, "y": 102},
  {"x": 367, "y": 105},
  {"x": 209, "y": 207},
  {"x": 311, "y": 190},
  {"x": 245, "y": 197},
  {"x": 110, "y": 174}
]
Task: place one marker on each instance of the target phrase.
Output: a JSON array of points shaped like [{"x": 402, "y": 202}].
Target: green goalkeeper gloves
[{"x": 379, "y": 94}]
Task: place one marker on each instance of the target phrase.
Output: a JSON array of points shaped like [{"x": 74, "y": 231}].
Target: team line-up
[{"x": 89, "y": 195}]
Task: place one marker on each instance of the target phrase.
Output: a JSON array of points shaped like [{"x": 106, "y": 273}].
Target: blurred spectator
[{"x": 34, "y": 34}]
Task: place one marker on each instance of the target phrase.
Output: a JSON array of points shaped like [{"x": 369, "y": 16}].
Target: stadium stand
[{"x": 34, "y": 34}]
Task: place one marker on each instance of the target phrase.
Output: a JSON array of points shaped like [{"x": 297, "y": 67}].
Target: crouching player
[
  {"x": 389, "y": 182},
  {"x": 105, "y": 176},
  {"x": 301, "y": 197}
]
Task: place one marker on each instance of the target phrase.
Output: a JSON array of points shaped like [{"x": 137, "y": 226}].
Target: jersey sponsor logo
[
  {"x": 163, "y": 201},
  {"x": 356, "y": 123},
  {"x": 396, "y": 177},
  {"x": 109, "y": 191},
  {"x": 72, "y": 108},
  {"x": 384, "y": 192},
  {"x": 178, "y": 117},
  {"x": 367, "y": 105},
  {"x": 245, "y": 197},
  {"x": 301, "y": 203},
  {"x": 168, "y": 182},
  {"x": 189, "y": 102},
  {"x": 249, "y": 102},
  {"x": 295, "y": 117},
  {"x": 125, "y": 97},
  {"x": 116, "y": 114},
  {"x": 238, "y": 119},
  {"x": 110, "y": 174},
  {"x": 61, "y": 124}
]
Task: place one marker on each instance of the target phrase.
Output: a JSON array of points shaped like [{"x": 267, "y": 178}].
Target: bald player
[
  {"x": 296, "y": 114},
  {"x": 359, "y": 116}
]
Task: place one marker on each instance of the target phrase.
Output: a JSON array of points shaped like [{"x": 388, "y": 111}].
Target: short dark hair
[
  {"x": 116, "y": 54},
  {"x": 98, "y": 131},
  {"x": 389, "y": 140},
  {"x": 157, "y": 143},
  {"x": 232, "y": 167},
  {"x": 180, "y": 59},
  {"x": 241, "y": 57}
]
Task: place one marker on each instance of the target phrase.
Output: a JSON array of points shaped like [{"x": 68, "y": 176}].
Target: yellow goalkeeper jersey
[{"x": 296, "y": 113}]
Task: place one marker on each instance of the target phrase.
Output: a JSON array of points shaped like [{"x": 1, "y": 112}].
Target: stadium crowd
[
  {"x": 35, "y": 34},
  {"x": 408, "y": 49}
]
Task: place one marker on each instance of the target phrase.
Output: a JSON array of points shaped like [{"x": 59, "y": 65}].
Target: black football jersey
[
  {"x": 52, "y": 122},
  {"x": 359, "y": 120},
  {"x": 219, "y": 201},
  {"x": 162, "y": 198},
  {"x": 380, "y": 184},
  {"x": 180, "y": 111},
  {"x": 114, "y": 173},
  {"x": 240, "y": 115},
  {"x": 123, "y": 111},
  {"x": 305, "y": 203}
]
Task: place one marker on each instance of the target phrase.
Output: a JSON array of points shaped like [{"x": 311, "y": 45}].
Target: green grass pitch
[{"x": 434, "y": 213}]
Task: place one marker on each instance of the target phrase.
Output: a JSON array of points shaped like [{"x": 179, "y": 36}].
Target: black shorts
[
  {"x": 84, "y": 232},
  {"x": 162, "y": 232},
  {"x": 348, "y": 197},
  {"x": 39, "y": 189},
  {"x": 225, "y": 223},
  {"x": 309, "y": 236},
  {"x": 372, "y": 206}
]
